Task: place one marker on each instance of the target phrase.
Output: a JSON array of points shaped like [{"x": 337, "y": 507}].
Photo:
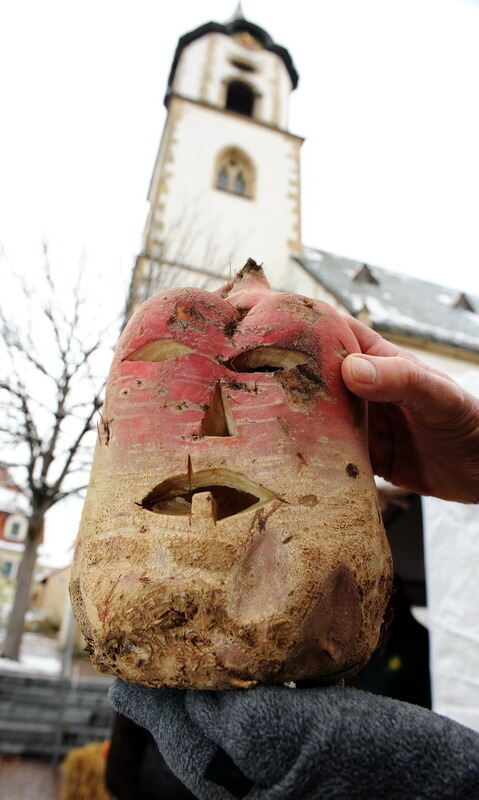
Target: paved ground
[{"x": 28, "y": 779}]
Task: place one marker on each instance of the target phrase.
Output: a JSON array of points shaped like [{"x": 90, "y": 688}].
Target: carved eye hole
[
  {"x": 159, "y": 350},
  {"x": 267, "y": 359}
]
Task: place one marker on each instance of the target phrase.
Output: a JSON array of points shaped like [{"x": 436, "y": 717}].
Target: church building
[{"x": 226, "y": 187}]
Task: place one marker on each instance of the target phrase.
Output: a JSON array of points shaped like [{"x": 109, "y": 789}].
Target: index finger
[
  {"x": 370, "y": 342},
  {"x": 373, "y": 344}
]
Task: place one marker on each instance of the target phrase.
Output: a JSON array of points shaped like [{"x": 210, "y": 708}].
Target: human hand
[{"x": 423, "y": 427}]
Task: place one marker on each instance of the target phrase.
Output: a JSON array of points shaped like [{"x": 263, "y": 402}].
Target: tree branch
[{"x": 49, "y": 387}]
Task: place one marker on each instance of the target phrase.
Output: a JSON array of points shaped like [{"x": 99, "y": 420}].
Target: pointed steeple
[{"x": 236, "y": 15}]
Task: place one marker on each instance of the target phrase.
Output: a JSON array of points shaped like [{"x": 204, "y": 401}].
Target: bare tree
[{"x": 52, "y": 373}]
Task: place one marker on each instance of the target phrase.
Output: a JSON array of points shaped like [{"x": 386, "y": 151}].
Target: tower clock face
[{"x": 245, "y": 39}]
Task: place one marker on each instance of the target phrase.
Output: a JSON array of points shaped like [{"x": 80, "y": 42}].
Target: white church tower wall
[{"x": 208, "y": 64}]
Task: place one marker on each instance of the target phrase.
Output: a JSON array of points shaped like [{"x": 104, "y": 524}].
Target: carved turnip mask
[{"x": 231, "y": 531}]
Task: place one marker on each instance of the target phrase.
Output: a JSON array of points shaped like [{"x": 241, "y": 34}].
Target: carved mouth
[{"x": 216, "y": 493}]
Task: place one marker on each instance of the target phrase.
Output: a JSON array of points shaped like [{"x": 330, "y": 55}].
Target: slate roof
[{"x": 398, "y": 303}]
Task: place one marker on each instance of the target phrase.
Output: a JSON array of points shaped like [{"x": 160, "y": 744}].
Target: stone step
[
  {"x": 39, "y": 697},
  {"x": 52, "y": 685},
  {"x": 42, "y": 730},
  {"x": 31, "y": 711},
  {"x": 49, "y": 714}
]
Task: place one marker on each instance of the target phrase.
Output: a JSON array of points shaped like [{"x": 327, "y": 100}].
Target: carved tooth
[{"x": 203, "y": 506}]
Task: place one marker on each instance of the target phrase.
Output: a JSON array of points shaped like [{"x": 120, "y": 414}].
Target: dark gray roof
[{"x": 398, "y": 303}]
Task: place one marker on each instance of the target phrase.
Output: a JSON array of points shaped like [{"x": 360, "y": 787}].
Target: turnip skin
[{"x": 293, "y": 586}]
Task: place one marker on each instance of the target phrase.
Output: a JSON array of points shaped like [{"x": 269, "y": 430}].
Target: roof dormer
[{"x": 365, "y": 275}]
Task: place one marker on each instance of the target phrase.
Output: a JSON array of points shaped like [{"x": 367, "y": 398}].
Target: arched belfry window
[
  {"x": 240, "y": 98},
  {"x": 235, "y": 172}
]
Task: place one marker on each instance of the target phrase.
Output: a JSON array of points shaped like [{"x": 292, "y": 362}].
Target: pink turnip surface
[{"x": 231, "y": 532}]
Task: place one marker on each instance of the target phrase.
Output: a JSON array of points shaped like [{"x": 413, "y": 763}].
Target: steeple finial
[{"x": 237, "y": 14}]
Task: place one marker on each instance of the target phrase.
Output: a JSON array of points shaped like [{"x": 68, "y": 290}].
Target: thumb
[{"x": 407, "y": 383}]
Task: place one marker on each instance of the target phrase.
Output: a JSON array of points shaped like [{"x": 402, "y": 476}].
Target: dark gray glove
[{"x": 277, "y": 743}]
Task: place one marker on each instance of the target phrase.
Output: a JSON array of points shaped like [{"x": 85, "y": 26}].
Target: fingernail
[{"x": 363, "y": 371}]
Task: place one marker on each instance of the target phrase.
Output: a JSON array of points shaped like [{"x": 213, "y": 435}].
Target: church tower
[{"x": 226, "y": 182}]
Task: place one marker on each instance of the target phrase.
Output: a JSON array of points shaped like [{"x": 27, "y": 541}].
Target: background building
[
  {"x": 13, "y": 532},
  {"x": 225, "y": 187},
  {"x": 13, "y": 525}
]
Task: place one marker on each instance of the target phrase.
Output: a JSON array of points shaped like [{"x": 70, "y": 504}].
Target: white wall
[
  {"x": 452, "y": 562},
  {"x": 208, "y": 227}
]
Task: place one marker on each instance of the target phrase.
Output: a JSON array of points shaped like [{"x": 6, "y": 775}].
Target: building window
[
  {"x": 235, "y": 173},
  {"x": 15, "y": 530},
  {"x": 15, "y": 527},
  {"x": 223, "y": 179},
  {"x": 7, "y": 569},
  {"x": 239, "y": 186},
  {"x": 243, "y": 65},
  {"x": 240, "y": 98}
]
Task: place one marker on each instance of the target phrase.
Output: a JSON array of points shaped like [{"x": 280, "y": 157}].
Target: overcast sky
[{"x": 387, "y": 102}]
